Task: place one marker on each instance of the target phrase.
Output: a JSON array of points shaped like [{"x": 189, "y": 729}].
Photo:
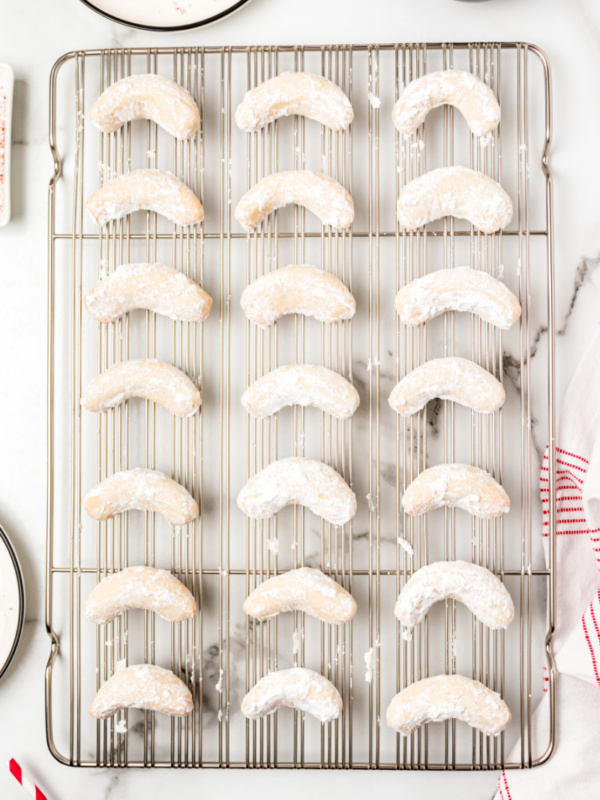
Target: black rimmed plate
[
  {"x": 165, "y": 15},
  {"x": 12, "y": 602}
]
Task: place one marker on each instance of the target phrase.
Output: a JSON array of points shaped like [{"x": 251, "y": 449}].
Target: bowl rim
[
  {"x": 4, "y": 540},
  {"x": 168, "y": 29}
]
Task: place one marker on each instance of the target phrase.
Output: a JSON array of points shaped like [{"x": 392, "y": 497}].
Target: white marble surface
[{"x": 32, "y": 36}]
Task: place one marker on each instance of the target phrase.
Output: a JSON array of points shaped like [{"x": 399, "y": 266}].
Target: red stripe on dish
[{"x": 15, "y": 770}]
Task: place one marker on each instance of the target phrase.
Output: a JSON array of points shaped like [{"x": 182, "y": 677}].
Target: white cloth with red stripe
[{"x": 573, "y": 772}]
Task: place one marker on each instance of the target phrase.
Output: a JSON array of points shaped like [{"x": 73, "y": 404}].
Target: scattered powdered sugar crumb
[
  {"x": 121, "y": 726},
  {"x": 374, "y": 100},
  {"x": 407, "y": 634},
  {"x": 224, "y": 573},
  {"x": 368, "y": 658},
  {"x": 219, "y": 684},
  {"x": 405, "y": 545},
  {"x": 500, "y": 271},
  {"x": 370, "y": 503},
  {"x": 273, "y": 546},
  {"x": 220, "y": 715},
  {"x": 106, "y": 171},
  {"x": 120, "y": 665},
  {"x": 295, "y": 643}
]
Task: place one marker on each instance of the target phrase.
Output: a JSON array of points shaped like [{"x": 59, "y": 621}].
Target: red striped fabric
[
  {"x": 570, "y": 516},
  {"x": 591, "y": 631},
  {"x": 503, "y": 787}
]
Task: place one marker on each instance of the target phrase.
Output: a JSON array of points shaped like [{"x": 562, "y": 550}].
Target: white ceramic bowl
[
  {"x": 165, "y": 15},
  {"x": 12, "y": 602}
]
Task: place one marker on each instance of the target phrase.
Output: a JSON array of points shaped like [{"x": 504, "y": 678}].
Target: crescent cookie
[
  {"x": 154, "y": 287},
  {"x": 148, "y": 190},
  {"x": 303, "y": 385},
  {"x": 458, "y": 486},
  {"x": 473, "y": 98},
  {"x": 298, "y": 481},
  {"x": 140, "y": 587},
  {"x": 456, "y": 379},
  {"x": 478, "y": 588},
  {"x": 147, "y": 378},
  {"x": 297, "y": 688},
  {"x": 141, "y": 490},
  {"x": 448, "y": 697},
  {"x": 457, "y": 192},
  {"x": 143, "y": 686},
  {"x": 297, "y": 289},
  {"x": 295, "y": 93},
  {"x": 147, "y": 97},
  {"x": 322, "y": 195},
  {"x": 304, "y": 589},
  {"x": 458, "y": 289}
]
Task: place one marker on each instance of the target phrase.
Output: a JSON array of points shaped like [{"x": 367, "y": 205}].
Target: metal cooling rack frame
[{"x": 222, "y": 556}]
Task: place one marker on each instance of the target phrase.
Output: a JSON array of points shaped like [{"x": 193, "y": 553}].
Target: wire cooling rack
[{"x": 222, "y": 555}]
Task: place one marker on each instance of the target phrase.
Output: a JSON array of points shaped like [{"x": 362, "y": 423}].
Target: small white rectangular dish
[{"x": 7, "y": 80}]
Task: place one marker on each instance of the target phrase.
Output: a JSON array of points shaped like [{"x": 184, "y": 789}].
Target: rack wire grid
[{"x": 222, "y": 556}]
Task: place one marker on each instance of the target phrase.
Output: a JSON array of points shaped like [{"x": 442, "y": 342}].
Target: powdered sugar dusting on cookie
[
  {"x": 475, "y": 586},
  {"x": 297, "y": 289},
  {"x": 298, "y": 688},
  {"x": 304, "y": 589},
  {"x": 295, "y": 93},
  {"x": 301, "y": 384},
  {"x": 301, "y": 481},
  {"x": 465, "y": 91},
  {"x": 456, "y": 379},
  {"x": 458, "y": 289},
  {"x": 458, "y": 192}
]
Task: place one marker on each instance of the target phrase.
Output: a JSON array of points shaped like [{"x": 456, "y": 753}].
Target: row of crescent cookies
[
  {"x": 163, "y": 290},
  {"x": 458, "y": 192},
  {"x": 292, "y": 289}
]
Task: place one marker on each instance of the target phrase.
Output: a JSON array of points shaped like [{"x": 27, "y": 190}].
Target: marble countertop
[{"x": 32, "y": 36}]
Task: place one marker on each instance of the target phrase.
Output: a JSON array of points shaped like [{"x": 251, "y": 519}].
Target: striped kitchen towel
[{"x": 573, "y": 772}]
